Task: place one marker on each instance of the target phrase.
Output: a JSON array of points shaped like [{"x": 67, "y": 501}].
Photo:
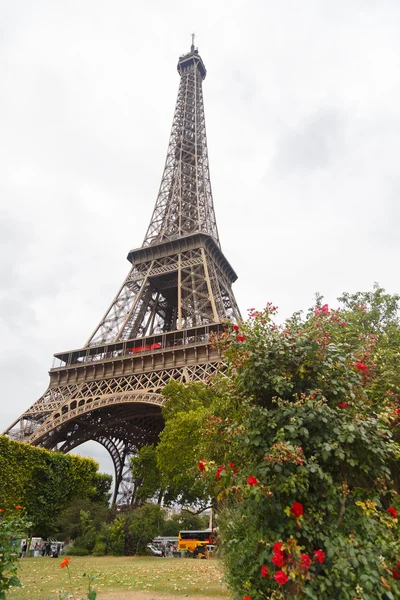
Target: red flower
[
  {"x": 202, "y": 464},
  {"x": 247, "y": 598},
  {"x": 251, "y": 480},
  {"x": 240, "y": 338},
  {"x": 264, "y": 571},
  {"x": 361, "y": 367},
  {"x": 296, "y": 509},
  {"x": 319, "y": 556},
  {"x": 281, "y": 577},
  {"x": 324, "y": 310},
  {"x": 277, "y": 547},
  {"x": 395, "y": 574},
  {"x": 232, "y": 466},
  {"x": 279, "y": 559},
  {"x": 1, "y": 510},
  {"x": 392, "y": 511},
  {"x": 65, "y": 563},
  {"x": 344, "y": 324},
  {"x": 19, "y": 507},
  {"x": 236, "y": 327},
  {"x": 305, "y": 561},
  {"x": 343, "y": 404},
  {"x": 219, "y": 471},
  {"x": 397, "y": 411}
]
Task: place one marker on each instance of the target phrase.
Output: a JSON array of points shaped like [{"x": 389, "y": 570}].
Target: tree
[
  {"x": 193, "y": 414},
  {"x": 69, "y": 523},
  {"x": 306, "y": 500},
  {"x": 142, "y": 525},
  {"x": 147, "y": 477},
  {"x": 184, "y": 520}
]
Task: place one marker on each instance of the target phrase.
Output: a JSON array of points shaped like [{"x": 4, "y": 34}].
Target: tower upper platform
[{"x": 192, "y": 58}]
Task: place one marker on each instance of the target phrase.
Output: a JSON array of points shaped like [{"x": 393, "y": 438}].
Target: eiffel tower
[{"x": 177, "y": 294}]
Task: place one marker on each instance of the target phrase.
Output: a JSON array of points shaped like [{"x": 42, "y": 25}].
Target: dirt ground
[{"x": 150, "y": 596}]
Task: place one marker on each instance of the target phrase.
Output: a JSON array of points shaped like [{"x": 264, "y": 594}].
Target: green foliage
[
  {"x": 376, "y": 315},
  {"x": 43, "y": 482},
  {"x": 142, "y": 525},
  {"x": 87, "y": 536},
  {"x": 146, "y": 476},
  {"x": 69, "y": 524},
  {"x": 115, "y": 534},
  {"x": 78, "y": 551},
  {"x": 13, "y": 525},
  {"x": 308, "y": 426},
  {"x": 192, "y": 415},
  {"x": 184, "y": 520},
  {"x": 101, "y": 489},
  {"x": 132, "y": 530},
  {"x": 100, "y": 548}
]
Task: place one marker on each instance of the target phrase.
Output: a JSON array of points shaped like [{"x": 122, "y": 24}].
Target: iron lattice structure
[{"x": 177, "y": 293}]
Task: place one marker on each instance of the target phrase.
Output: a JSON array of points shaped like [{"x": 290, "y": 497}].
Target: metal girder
[{"x": 177, "y": 293}]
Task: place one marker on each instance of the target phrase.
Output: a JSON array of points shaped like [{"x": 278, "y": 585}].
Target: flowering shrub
[
  {"x": 13, "y": 525},
  {"x": 311, "y": 510}
]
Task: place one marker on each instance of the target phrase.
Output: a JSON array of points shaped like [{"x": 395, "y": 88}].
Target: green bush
[
  {"x": 43, "y": 482},
  {"x": 306, "y": 495},
  {"x": 115, "y": 535},
  {"x": 78, "y": 551},
  {"x": 100, "y": 549},
  {"x": 13, "y": 526}
]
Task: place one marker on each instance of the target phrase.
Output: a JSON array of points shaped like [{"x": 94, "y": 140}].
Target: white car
[{"x": 155, "y": 551}]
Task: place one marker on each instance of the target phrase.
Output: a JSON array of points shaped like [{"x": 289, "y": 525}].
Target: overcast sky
[{"x": 302, "y": 105}]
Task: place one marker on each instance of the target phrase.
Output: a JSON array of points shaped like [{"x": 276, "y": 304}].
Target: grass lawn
[{"x": 42, "y": 578}]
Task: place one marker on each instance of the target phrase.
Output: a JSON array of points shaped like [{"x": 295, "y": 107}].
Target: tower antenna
[{"x": 192, "y": 46}]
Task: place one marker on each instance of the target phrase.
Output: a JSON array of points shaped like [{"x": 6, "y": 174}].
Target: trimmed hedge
[{"x": 42, "y": 481}]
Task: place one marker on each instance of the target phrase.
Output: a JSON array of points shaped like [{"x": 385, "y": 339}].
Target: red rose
[
  {"x": 324, "y": 310},
  {"x": 240, "y": 338},
  {"x": 319, "y": 556},
  {"x": 281, "y": 577},
  {"x": 397, "y": 411},
  {"x": 202, "y": 464},
  {"x": 305, "y": 561},
  {"x": 361, "y": 367},
  {"x": 296, "y": 509},
  {"x": 232, "y": 466},
  {"x": 277, "y": 547},
  {"x": 392, "y": 511},
  {"x": 395, "y": 574},
  {"x": 219, "y": 471},
  {"x": 279, "y": 559},
  {"x": 236, "y": 327},
  {"x": 264, "y": 571},
  {"x": 251, "y": 480},
  {"x": 343, "y": 404},
  {"x": 247, "y": 598}
]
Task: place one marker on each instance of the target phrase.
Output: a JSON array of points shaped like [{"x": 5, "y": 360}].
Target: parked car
[{"x": 155, "y": 551}]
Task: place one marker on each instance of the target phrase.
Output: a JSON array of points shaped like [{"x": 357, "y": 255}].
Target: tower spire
[
  {"x": 184, "y": 203},
  {"x": 192, "y": 46}
]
